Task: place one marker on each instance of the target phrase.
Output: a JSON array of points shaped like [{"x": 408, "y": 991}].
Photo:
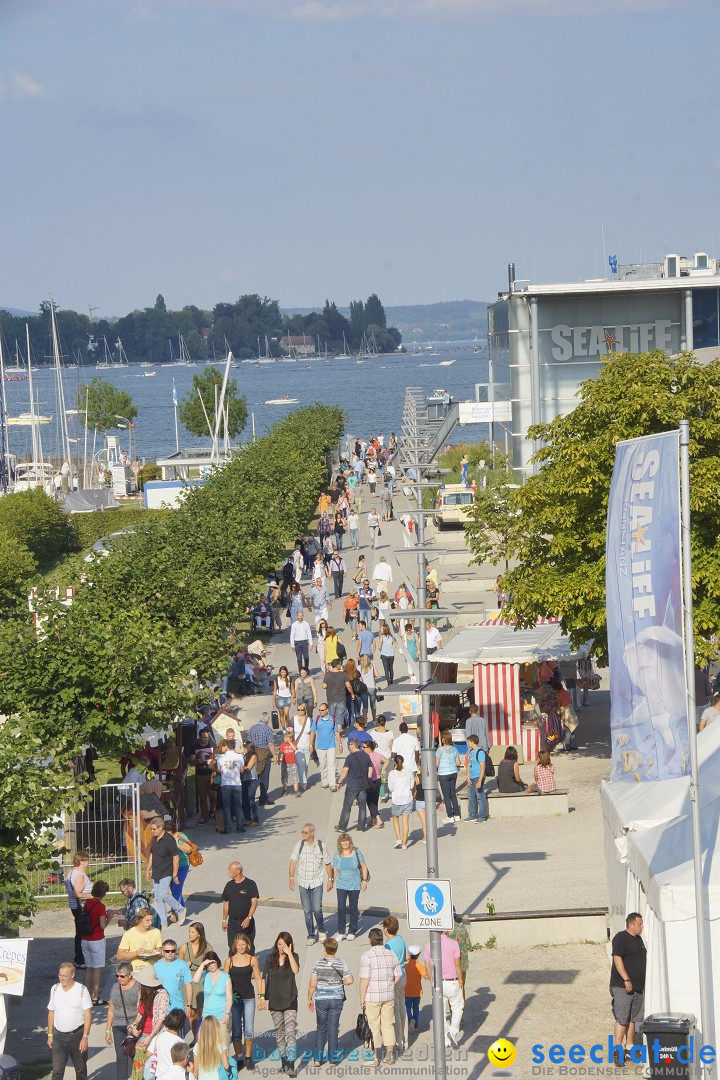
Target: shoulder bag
[
  {"x": 130, "y": 1041},
  {"x": 362, "y": 1029}
]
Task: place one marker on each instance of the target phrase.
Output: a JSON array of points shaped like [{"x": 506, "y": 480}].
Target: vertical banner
[{"x": 648, "y": 708}]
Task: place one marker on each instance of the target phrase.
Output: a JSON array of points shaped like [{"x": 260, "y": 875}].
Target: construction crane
[{"x": 90, "y": 312}]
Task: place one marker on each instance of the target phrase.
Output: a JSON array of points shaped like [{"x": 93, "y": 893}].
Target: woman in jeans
[
  {"x": 326, "y": 996},
  {"x": 280, "y": 995},
  {"x": 448, "y": 763},
  {"x": 124, "y": 1001},
  {"x": 350, "y": 876},
  {"x": 243, "y": 967},
  {"x": 304, "y": 691},
  {"x": 282, "y": 695},
  {"x": 250, "y": 784},
  {"x": 387, "y": 653},
  {"x": 368, "y": 697}
]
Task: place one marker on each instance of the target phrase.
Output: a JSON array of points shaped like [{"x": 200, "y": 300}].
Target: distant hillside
[
  {"x": 20, "y": 312},
  {"x": 454, "y": 319}
]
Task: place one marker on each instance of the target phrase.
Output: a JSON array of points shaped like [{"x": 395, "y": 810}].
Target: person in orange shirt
[
  {"x": 324, "y": 502},
  {"x": 352, "y": 606},
  {"x": 414, "y": 972}
]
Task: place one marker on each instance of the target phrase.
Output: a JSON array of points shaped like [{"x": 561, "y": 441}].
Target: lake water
[{"x": 371, "y": 394}]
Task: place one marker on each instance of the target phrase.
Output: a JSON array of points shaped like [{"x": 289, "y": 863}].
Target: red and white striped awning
[{"x": 498, "y": 641}]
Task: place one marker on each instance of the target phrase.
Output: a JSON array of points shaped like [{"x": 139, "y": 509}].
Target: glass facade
[{"x": 706, "y": 327}]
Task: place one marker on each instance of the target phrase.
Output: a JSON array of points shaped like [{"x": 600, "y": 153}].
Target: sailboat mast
[
  {"x": 64, "y": 433},
  {"x": 4, "y": 457},
  {"x": 34, "y": 430}
]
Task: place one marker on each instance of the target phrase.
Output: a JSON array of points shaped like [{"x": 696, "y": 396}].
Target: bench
[{"x": 516, "y": 804}]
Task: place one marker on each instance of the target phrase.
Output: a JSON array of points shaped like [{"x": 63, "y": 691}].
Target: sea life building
[{"x": 545, "y": 340}]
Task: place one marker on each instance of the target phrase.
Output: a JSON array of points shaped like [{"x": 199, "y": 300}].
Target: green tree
[
  {"x": 556, "y": 521},
  {"x": 374, "y": 312},
  {"x": 36, "y": 523},
  {"x": 357, "y": 320},
  {"x": 17, "y": 567},
  {"x": 105, "y": 404},
  {"x": 160, "y": 303},
  {"x": 205, "y": 385}
]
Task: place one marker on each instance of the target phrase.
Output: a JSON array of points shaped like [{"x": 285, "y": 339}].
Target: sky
[{"x": 304, "y": 149}]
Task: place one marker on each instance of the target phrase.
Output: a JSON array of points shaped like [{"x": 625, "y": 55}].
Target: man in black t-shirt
[
  {"x": 355, "y": 775},
  {"x": 627, "y": 983},
  {"x": 162, "y": 866},
  {"x": 240, "y": 901}
]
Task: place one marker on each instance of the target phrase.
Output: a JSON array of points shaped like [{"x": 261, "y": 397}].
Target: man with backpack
[
  {"x": 476, "y": 765},
  {"x": 134, "y": 902},
  {"x": 309, "y": 862}
]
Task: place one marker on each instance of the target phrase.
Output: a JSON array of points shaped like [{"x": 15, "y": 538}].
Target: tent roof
[
  {"x": 631, "y": 807},
  {"x": 503, "y": 643}
]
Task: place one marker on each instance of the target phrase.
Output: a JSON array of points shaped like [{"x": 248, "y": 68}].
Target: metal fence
[{"x": 108, "y": 828}]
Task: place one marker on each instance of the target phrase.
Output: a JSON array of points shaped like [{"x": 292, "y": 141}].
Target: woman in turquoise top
[
  {"x": 448, "y": 763},
  {"x": 217, "y": 989},
  {"x": 350, "y": 874}
]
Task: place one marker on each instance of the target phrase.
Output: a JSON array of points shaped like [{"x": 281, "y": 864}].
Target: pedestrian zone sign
[{"x": 429, "y": 904}]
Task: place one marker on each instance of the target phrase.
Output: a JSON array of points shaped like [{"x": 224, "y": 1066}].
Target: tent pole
[{"x": 707, "y": 1015}]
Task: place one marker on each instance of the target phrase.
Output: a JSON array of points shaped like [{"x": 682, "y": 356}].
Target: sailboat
[
  {"x": 122, "y": 359},
  {"x": 17, "y": 370},
  {"x": 36, "y": 473},
  {"x": 106, "y": 361}
]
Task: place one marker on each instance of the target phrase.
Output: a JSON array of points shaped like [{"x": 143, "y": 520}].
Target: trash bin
[
  {"x": 9, "y": 1068},
  {"x": 672, "y": 1031}
]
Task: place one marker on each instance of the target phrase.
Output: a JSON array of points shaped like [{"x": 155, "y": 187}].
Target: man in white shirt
[
  {"x": 353, "y": 522},
  {"x": 433, "y": 640},
  {"x": 319, "y": 599},
  {"x": 383, "y": 575},
  {"x": 69, "y": 1023},
  {"x": 301, "y": 640},
  {"x": 407, "y": 746}
]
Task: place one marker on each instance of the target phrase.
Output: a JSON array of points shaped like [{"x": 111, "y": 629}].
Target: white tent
[
  {"x": 497, "y": 642},
  {"x": 630, "y": 809},
  {"x": 661, "y": 887}
]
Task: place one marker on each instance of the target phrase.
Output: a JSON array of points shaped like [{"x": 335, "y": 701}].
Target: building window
[{"x": 706, "y": 331}]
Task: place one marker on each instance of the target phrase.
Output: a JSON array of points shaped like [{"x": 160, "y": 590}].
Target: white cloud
[{"x": 24, "y": 86}]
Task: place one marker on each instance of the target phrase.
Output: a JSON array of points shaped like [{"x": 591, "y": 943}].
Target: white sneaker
[
  {"x": 448, "y": 821},
  {"x": 399, "y": 844},
  {"x": 181, "y": 916},
  {"x": 321, "y": 935},
  {"x": 350, "y": 937},
  {"x": 453, "y": 1036},
  {"x": 457, "y": 818},
  {"x": 339, "y": 937}
]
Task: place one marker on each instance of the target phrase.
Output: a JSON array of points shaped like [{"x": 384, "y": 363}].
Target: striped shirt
[
  {"x": 330, "y": 972},
  {"x": 379, "y": 965},
  {"x": 310, "y": 861}
]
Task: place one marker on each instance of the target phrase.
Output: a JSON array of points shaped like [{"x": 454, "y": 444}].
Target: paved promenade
[{"x": 527, "y": 995}]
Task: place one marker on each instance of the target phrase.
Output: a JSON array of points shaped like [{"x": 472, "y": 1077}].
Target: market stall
[{"x": 510, "y": 667}]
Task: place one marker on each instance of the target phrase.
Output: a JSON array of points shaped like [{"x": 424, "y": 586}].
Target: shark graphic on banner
[{"x": 648, "y": 707}]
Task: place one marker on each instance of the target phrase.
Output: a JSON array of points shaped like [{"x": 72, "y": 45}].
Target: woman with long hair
[
  {"x": 282, "y": 695},
  {"x": 153, "y": 1007},
  {"x": 387, "y": 653},
  {"x": 370, "y": 747},
  {"x": 401, "y": 782},
  {"x": 368, "y": 674},
  {"x": 280, "y": 995},
  {"x": 448, "y": 763},
  {"x": 193, "y": 953},
  {"x": 296, "y": 601},
  {"x": 320, "y": 644},
  {"x": 184, "y": 849},
  {"x": 210, "y": 1053},
  {"x": 242, "y": 967},
  {"x": 350, "y": 875},
  {"x": 354, "y": 702}
]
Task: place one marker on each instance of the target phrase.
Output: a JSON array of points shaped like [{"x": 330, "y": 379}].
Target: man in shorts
[{"x": 627, "y": 984}]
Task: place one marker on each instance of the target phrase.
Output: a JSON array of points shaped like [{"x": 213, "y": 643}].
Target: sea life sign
[{"x": 648, "y": 705}]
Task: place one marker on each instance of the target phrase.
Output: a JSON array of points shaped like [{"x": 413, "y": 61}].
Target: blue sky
[{"x": 312, "y": 148}]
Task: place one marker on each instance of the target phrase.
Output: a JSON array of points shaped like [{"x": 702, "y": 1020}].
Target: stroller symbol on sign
[{"x": 427, "y": 903}]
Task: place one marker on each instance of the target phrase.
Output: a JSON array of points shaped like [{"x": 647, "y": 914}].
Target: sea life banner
[{"x": 648, "y": 705}]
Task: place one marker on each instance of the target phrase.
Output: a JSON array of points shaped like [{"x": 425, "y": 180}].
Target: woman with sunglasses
[
  {"x": 217, "y": 990},
  {"x": 124, "y": 1002}
]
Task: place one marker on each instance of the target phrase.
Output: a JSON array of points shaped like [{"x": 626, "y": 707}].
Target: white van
[{"x": 452, "y": 505}]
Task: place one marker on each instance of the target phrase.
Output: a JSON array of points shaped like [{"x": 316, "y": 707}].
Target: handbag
[
  {"x": 195, "y": 858},
  {"x": 129, "y": 1043},
  {"x": 362, "y": 1029}
]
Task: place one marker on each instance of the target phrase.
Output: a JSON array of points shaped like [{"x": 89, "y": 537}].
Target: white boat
[
  {"x": 149, "y": 374},
  {"x": 446, "y": 363},
  {"x": 282, "y": 401},
  {"x": 26, "y": 419}
]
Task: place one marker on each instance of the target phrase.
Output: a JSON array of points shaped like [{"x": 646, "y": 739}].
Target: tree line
[
  {"x": 252, "y": 323},
  {"x": 149, "y": 623}
]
